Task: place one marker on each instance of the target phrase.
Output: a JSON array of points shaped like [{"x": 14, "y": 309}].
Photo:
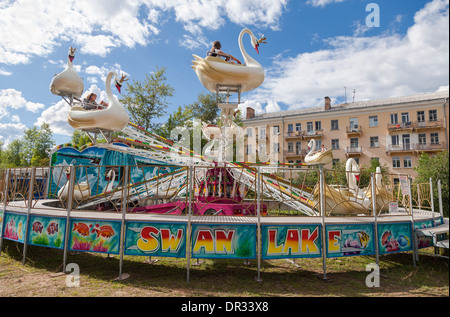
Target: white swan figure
[
  {"x": 352, "y": 172},
  {"x": 383, "y": 195},
  {"x": 314, "y": 157},
  {"x": 80, "y": 191},
  {"x": 113, "y": 118},
  {"x": 67, "y": 83},
  {"x": 212, "y": 71},
  {"x": 110, "y": 177}
]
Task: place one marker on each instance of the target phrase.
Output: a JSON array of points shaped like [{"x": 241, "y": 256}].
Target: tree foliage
[
  {"x": 146, "y": 100},
  {"x": 437, "y": 168},
  {"x": 32, "y": 149}
]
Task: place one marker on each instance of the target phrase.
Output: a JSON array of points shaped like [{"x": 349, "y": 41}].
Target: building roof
[{"x": 359, "y": 104}]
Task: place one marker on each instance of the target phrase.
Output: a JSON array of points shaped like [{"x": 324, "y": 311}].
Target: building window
[
  {"x": 276, "y": 129},
  {"x": 422, "y": 138},
  {"x": 334, "y": 125},
  {"x": 434, "y": 138},
  {"x": 298, "y": 127},
  {"x": 335, "y": 162},
  {"x": 432, "y": 115},
  {"x": 405, "y": 117},
  {"x": 248, "y": 149},
  {"x": 298, "y": 162},
  {"x": 290, "y": 147},
  {"x": 290, "y": 127},
  {"x": 354, "y": 142},
  {"x": 396, "y": 162},
  {"x": 291, "y": 162},
  {"x": 309, "y": 127},
  {"x": 407, "y": 162},
  {"x": 395, "y": 139},
  {"x": 356, "y": 160},
  {"x": 354, "y": 124},
  {"x": 262, "y": 133},
  {"x": 420, "y": 116},
  {"x": 298, "y": 146},
  {"x": 373, "y": 121},
  {"x": 374, "y": 141},
  {"x": 249, "y": 131},
  {"x": 335, "y": 144},
  {"x": 276, "y": 147},
  {"x": 318, "y": 125},
  {"x": 394, "y": 118},
  {"x": 318, "y": 144}
]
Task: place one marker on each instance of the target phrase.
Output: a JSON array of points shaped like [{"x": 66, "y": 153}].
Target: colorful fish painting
[
  {"x": 82, "y": 228},
  {"x": 37, "y": 227},
  {"x": 52, "y": 228},
  {"x": 104, "y": 231}
]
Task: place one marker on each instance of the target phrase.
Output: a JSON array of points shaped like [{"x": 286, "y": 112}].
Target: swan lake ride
[
  {"x": 67, "y": 83},
  {"x": 112, "y": 118},
  {"x": 214, "y": 71}
]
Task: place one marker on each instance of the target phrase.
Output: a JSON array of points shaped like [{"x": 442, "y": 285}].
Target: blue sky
[{"x": 314, "y": 49}]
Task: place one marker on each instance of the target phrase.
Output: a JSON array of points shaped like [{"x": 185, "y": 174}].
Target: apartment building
[{"x": 393, "y": 130}]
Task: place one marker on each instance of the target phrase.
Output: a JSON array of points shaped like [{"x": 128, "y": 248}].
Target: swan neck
[
  {"x": 249, "y": 61},
  {"x": 108, "y": 85}
]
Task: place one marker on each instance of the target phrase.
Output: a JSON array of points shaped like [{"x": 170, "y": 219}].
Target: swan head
[
  {"x": 72, "y": 53},
  {"x": 256, "y": 42},
  {"x": 120, "y": 81}
]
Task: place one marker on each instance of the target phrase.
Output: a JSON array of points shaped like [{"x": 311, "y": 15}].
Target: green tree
[
  {"x": 147, "y": 100},
  {"x": 435, "y": 167},
  {"x": 11, "y": 155},
  {"x": 79, "y": 138}
]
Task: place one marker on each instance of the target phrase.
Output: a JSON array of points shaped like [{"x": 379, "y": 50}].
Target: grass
[{"x": 41, "y": 276}]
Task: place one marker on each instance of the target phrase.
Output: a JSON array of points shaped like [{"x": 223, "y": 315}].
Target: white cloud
[
  {"x": 11, "y": 98},
  {"x": 322, "y": 3},
  {"x": 36, "y": 27},
  {"x": 56, "y": 117},
  {"x": 376, "y": 67},
  {"x": 11, "y": 131}
]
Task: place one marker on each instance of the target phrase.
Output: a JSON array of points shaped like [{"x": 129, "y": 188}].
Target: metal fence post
[
  {"x": 124, "y": 208},
  {"x": 5, "y": 202},
  {"x": 322, "y": 213},
  {"x": 258, "y": 230},
  {"x": 432, "y": 199},
  {"x": 68, "y": 210},
  {"x": 30, "y": 200},
  {"x": 414, "y": 242},
  {"x": 190, "y": 178},
  {"x": 441, "y": 208},
  {"x": 374, "y": 209}
]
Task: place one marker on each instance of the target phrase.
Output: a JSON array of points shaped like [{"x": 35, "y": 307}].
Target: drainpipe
[{"x": 445, "y": 123}]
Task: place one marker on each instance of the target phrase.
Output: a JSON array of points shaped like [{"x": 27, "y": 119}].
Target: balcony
[
  {"x": 290, "y": 153},
  {"x": 293, "y": 135},
  {"x": 415, "y": 125},
  {"x": 404, "y": 126},
  {"x": 353, "y": 151},
  {"x": 438, "y": 124},
  {"x": 436, "y": 147},
  {"x": 353, "y": 130},
  {"x": 400, "y": 148},
  {"x": 312, "y": 134}
]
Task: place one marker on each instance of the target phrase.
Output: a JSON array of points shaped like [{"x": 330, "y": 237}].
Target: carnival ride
[{"x": 105, "y": 182}]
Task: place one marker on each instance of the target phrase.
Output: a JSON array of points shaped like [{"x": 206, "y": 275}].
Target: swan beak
[
  {"x": 357, "y": 177},
  {"x": 256, "y": 48},
  {"x": 118, "y": 86},
  {"x": 71, "y": 57}
]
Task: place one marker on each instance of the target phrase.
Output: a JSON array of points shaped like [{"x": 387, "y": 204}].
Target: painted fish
[
  {"x": 104, "y": 231},
  {"x": 37, "y": 227},
  {"x": 52, "y": 228},
  {"x": 363, "y": 238},
  {"x": 386, "y": 237},
  {"x": 82, "y": 228}
]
